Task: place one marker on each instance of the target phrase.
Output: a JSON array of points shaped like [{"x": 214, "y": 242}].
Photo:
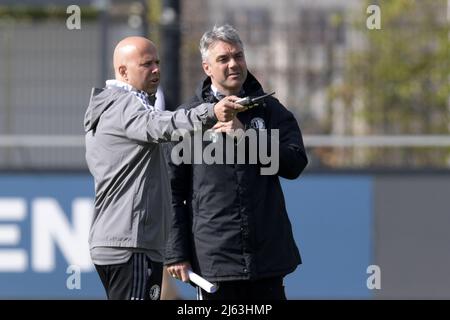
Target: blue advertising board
[{"x": 45, "y": 218}]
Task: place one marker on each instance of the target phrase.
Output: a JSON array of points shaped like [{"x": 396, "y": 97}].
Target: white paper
[{"x": 201, "y": 282}]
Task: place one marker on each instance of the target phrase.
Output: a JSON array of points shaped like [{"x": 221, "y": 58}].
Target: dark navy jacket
[{"x": 229, "y": 221}]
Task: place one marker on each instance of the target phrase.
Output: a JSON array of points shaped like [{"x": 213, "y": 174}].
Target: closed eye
[{"x": 150, "y": 63}]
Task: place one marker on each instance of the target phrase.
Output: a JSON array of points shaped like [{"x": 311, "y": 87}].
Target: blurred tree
[{"x": 397, "y": 82}]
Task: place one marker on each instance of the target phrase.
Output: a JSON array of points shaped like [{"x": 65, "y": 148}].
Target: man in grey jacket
[{"x": 123, "y": 130}]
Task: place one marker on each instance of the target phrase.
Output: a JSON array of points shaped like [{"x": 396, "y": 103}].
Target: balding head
[{"x": 136, "y": 62}]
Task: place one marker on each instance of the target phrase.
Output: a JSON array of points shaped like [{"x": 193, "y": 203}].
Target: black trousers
[
  {"x": 137, "y": 279},
  {"x": 263, "y": 289}
]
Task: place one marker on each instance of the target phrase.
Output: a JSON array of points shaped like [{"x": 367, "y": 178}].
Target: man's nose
[{"x": 232, "y": 63}]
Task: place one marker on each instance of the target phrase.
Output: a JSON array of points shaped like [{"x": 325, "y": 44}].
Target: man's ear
[
  {"x": 206, "y": 68},
  {"x": 123, "y": 72}
]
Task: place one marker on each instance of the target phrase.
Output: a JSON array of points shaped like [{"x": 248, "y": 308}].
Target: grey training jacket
[{"x": 123, "y": 155}]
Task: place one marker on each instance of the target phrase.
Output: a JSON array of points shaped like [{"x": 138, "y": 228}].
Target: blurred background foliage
[{"x": 339, "y": 78}]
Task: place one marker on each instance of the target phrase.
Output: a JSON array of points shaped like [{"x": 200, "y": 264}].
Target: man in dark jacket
[{"x": 229, "y": 222}]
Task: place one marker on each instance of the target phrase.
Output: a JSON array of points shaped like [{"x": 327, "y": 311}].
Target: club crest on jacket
[{"x": 257, "y": 123}]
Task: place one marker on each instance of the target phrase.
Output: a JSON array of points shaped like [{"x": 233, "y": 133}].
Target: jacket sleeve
[
  {"x": 292, "y": 155},
  {"x": 179, "y": 236},
  {"x": 178, "y": 244},
  {"x": 145, "y": 125}
]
